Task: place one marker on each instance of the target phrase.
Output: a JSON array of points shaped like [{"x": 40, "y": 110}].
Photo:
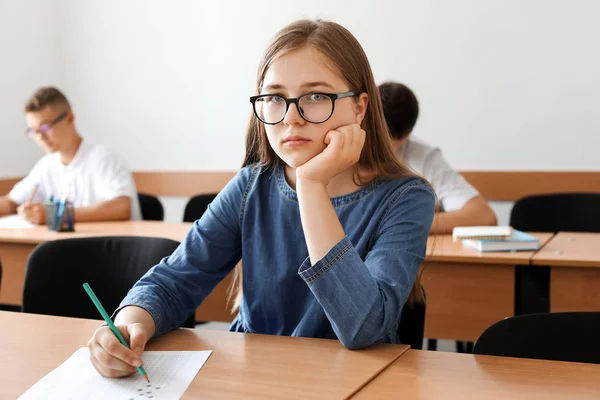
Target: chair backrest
[
  {"x": 196, "y": 206},
  {"x": 411, "y": 328},
  {"x": 56, "y": 271},
  {"x": 568, "y": 336},
  {"x": 151, "y": 207},
  {"x": 567, "y": 212}
]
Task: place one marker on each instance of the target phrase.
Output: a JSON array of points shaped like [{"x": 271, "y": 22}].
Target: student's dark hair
[
  {"x": 400, "y": 108},
  {"x": 47, "y": 96}
]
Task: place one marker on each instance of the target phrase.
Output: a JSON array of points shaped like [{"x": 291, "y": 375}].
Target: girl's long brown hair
[{"x": 347, "y": 56}]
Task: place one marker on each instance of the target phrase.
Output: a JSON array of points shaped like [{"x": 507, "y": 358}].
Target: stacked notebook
[{"x": 495, "y": 238}]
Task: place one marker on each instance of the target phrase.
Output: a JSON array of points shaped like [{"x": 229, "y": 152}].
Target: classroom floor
[{"x": 443, "y": 345}]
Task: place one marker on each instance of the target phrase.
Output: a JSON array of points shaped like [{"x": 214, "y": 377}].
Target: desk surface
[
  {"x": 439, "y": 375},
  {"x": 441, "y": 248},
  {"x": 241, "y": 365},
  {"x": 39, "y": 234},
  {"x": 569, "y": 249}
]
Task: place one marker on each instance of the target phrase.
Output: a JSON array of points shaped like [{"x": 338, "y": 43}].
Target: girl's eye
[
  {"x": 274, "y": 99},
  {"x": 316, "y": 97}
]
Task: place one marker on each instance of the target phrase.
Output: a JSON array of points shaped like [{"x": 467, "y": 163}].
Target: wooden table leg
[
  {"x": 465, "y": 299},
  {"x": 14, "y": 259},
  {"x": 574, "y": 289}
]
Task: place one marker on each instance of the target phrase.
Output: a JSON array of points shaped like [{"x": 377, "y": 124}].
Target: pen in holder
[{"x": 60, "y": 216}]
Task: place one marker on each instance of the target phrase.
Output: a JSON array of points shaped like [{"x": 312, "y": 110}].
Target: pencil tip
[{"x": 146, "y": 376}]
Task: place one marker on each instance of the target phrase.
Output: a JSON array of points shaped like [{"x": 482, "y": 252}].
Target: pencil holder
[{"x": 60, "y": 217}]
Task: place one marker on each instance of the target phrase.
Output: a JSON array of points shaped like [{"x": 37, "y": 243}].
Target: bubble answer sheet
[{"x": 170, "y": 373}]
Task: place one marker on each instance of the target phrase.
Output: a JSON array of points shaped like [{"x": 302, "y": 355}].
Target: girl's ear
[{"x": 361, "y": 107}]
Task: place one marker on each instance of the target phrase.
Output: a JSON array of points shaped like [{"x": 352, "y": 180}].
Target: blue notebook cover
[{"x": 518, "y": 241}]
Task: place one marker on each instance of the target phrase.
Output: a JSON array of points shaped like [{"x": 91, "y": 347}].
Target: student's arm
[
  {"x": 7, "y": 205},
  {"x": 461, "y": 203},
  {"x": 322, "y": 228},
  {"x": 363, "y": 300},
  {"x": 21, "y": 194},
  {"x": 116, "y": 190},
  {"x": 476, "y": 212},
  {"x": 109, "y": 356},
  {"x": 167, "y": 294},
  {"x": 117, "y": 209},
  {"x": 174, "y": 288}
]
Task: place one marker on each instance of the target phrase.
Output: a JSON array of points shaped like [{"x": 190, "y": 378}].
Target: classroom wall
[
  {"x": 31, "y": 56},
  {"x": 503, "y": 85}
]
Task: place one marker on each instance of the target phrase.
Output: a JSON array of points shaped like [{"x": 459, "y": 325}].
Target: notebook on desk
[
  {"x": 481, "y": 232},
  {"x": 518, "y": 241}
]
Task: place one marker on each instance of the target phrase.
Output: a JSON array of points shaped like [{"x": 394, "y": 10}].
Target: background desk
[
  {"x": 439, "y": 375},
  {"x": 571, "y": 264},
  {"x": 16, "y": 244},
  {"x": 467, "y": 291},
  {"x": 241, "y": 365}
]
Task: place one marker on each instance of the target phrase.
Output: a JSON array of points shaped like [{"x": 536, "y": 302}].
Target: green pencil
[{"x": 112, "y": 326}]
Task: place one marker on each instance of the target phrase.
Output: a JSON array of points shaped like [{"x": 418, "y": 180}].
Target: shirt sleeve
[
  {"x": 114, "y": 179},
  {"x": 173, "y": 289},
  {"x": 451, "y": 188},
  {"x": 363, "y": 299},
  {"x": 22, "y": 190}
]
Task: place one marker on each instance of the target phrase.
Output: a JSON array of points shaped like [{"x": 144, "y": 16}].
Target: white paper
[
  {"x": 170, "y": 373},
  {"x": 14, "y": 222}
]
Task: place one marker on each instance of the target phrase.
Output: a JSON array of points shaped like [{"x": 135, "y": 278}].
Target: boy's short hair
[
  {"x": 400, "y": 108},
  {"x": 47, "y": 96}
]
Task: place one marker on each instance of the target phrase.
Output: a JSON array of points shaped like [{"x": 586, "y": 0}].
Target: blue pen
[{"x": 59, "y": 214}]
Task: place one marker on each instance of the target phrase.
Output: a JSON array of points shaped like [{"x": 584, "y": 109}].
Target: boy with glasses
[{"x": 93, "y": 178}]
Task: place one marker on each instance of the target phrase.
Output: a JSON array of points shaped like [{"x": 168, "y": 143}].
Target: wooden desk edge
[{"x": 381, "y": 371}]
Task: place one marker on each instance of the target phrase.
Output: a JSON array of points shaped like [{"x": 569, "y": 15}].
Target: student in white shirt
[
  {"x": 460, "y": 204},
  {"x": 94, "y": 178}
]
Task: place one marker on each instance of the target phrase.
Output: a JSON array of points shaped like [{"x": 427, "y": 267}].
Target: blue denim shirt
[{"x": 355, "y": 293}]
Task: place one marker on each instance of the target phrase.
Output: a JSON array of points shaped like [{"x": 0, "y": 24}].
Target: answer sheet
[
  {"x": 170, "y": 373},
  {"x": 14, "y": 222}
]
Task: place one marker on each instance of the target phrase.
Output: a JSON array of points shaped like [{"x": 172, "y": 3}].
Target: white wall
[
  {"x": 503, "y": 84},
  {"x": 508, "y": 84},
  {"x": 31, "y": 56}
]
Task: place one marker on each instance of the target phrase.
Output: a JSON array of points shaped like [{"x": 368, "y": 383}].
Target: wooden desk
[
  {"x": 241, "y": 366},
  {"x": 467, "y": 291},
  {"x": 438, "y": 375},
  {"x": 574, "y": 267},
  {"x": 16, "y": 244}
]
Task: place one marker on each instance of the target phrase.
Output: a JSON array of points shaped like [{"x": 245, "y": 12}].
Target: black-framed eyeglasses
[
  {"x": 46, "y": 129},
  {"x": 314, "y": 107}
]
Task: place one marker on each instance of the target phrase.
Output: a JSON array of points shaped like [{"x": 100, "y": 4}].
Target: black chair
[
  {"x": 568, "y": 336},
  {"x": 151, "y": 207},
  {"x": 56, "y": 271},
  {"x": 412, "y": 324},
  {"x": 196, "y": 206},
  {"x": 566, "y": 212}
]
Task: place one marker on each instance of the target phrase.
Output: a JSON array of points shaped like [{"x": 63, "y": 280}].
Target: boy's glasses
[
  {"x": 314, "y": 107},
  {"x": 45, "y": 129}
]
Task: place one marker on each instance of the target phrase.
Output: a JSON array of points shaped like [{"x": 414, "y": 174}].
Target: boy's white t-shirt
[
  {"x": 452, "y": 190},
  {"x": 94, "y": 175}
]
